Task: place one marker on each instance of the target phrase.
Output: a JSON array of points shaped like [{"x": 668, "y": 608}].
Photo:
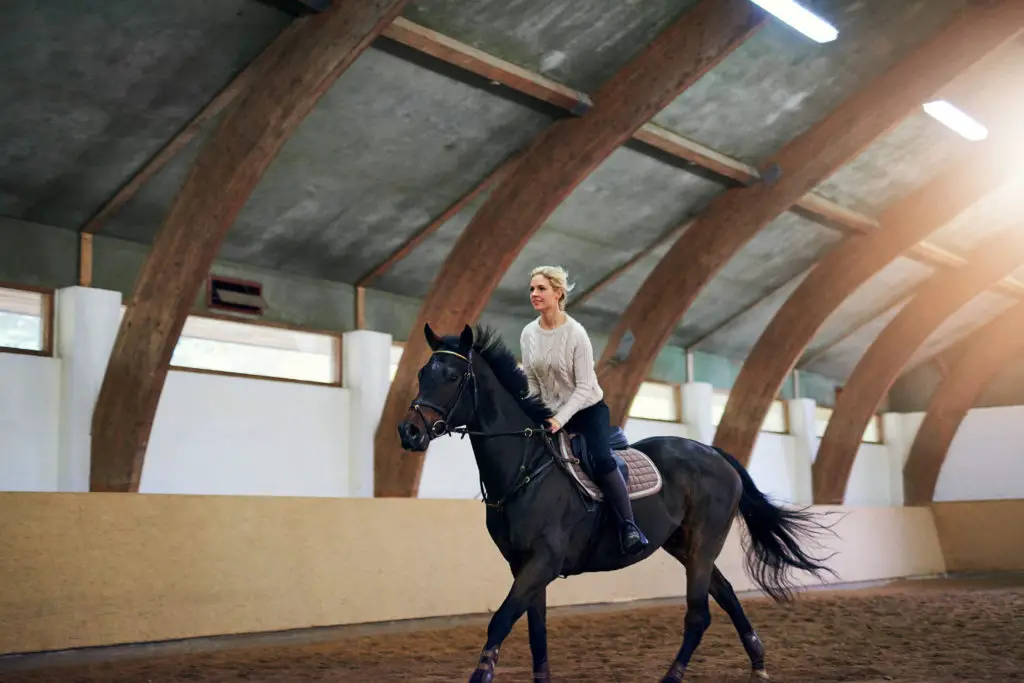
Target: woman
[{"x": 559, "y": 363}]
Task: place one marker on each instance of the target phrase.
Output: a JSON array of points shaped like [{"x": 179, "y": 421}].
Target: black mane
[{"x": 489, "y": 344}]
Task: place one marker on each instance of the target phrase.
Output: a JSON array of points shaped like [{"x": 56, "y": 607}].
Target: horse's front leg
[
  {"x": 536, "y": 615},
  {"x": 534, "y": 576}
]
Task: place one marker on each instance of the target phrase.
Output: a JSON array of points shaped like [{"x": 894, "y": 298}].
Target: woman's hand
[{"x": 553, "y": 425}]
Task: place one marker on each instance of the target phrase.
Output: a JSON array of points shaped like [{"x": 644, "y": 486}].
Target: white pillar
[
  {"x": 87, "y": 320},
  {"x": 366, "y": 359},
  {"x": 898, "y": 440},
  {"x": 802, "y": 428},
  {"x": 697, "y": 411}
]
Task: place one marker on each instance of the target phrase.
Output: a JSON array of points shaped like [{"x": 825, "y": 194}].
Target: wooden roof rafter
[
  {"x": 836, "y": 277},
  {"x": 552, "y": 166},
  {"x": 985, "y": 352},
  {"x": 735, "y": 217},
  {"x": 812, "y": 206},
  {"x": 453, "y": 52},
  {"x": 293, "y": 75},
  {"x": 942, "y": 296}
]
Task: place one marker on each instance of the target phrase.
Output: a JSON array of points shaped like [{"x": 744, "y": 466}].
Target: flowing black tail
[{"x": 772, "y": 542}]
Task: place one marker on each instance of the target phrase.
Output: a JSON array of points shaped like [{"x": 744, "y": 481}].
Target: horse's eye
[{"x": 451, "y": 375}]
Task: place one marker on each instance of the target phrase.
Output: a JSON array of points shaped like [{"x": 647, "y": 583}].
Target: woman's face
[{"x": 543, "y": 296}]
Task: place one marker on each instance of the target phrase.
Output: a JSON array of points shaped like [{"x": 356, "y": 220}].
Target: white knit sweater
[{"x": 559, "y": 365}]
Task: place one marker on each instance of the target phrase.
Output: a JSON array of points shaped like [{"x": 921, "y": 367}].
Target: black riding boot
[{"x": 631, "y": 538}]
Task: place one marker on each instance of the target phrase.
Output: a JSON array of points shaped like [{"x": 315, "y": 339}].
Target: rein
[{"x": 442, "y": 427}]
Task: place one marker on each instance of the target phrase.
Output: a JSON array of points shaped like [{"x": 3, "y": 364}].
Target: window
[
  {"x": 656, "y": 401},
  {"x": 244, "y": 348},
  {"x": 214, "y": 344},
  {"x": 822, "y": 415},
  {"x": 719, "y": 399},
  {"x": 261, "y": 350},
  {"x": 872, "y": 433},
  {"x": 776, "y": 420},
  {"x": 25, "y": 320}
]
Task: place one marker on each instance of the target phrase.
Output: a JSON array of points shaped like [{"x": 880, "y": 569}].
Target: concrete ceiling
[
  {"x": 91, "y": 91},
  {"x": 778, "y": 83}
]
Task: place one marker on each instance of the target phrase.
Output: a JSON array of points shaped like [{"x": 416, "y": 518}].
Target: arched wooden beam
[
  {"x": 988, "y": 350},
  {"x": 839, "y": 273},
  {"x": 158, "y": 161},
  {"x": 940, "y": 297},
  {"x": 292, "y": 76},
  {"x": 733, "y": 218},
  {"x": 553, "y": 165}
]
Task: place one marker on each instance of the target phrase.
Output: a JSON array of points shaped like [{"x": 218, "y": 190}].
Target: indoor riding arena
[{"x": 290, "y": 389}]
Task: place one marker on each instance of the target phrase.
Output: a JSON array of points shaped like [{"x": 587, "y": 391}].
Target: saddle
[{"x": 642, "y": 477}]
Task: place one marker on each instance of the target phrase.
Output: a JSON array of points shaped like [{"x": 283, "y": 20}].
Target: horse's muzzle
[{"x": 413, "y": 437}]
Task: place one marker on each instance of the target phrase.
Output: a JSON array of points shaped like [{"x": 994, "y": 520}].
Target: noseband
[{"x": 443, "y": 426}]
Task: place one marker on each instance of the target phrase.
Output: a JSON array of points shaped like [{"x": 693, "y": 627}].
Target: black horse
[{"x": 545, "y": 526}]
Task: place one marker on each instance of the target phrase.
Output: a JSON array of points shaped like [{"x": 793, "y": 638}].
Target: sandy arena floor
[{"x": 909, "y": 632}]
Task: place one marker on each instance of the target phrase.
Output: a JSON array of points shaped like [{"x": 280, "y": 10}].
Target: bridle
[{"x": 442, "y": 426}]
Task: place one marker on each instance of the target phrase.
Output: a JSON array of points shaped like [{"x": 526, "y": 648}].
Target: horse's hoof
[
  {"x": 759, "y": 675},
  {"x": 675, "y": 673},
  {"x": 481, "y": 677}
]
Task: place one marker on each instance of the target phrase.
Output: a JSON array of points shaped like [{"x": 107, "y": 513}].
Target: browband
[{"x": 452, "y": 353}]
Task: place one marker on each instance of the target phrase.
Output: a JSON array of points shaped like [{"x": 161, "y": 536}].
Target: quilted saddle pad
[{"x": 644, "y": 478}]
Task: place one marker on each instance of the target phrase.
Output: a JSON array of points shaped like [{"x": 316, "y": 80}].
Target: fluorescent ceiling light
[
  {"x": 948, "y": 115},
  {"x": 800, "y": 18}
]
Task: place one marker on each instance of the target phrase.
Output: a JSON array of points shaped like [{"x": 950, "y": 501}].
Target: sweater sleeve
[
  {"x": 587, "y": 391},
  {"x": 526, "y": 349}
]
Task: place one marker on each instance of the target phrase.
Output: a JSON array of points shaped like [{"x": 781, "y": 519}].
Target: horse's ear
[
  {"x": 466, "y": 340},
  {"x": 432, "y": 339}
]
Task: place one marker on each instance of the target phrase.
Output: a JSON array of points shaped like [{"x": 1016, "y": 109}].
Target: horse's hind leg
[
  {"x": 536, "y": 616},
  {"x": 725, "y": 596}
]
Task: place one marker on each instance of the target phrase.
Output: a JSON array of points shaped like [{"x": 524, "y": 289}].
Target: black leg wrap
[
  {"x": 485, "y": 668},
  {"x": 755, "y": 649}
]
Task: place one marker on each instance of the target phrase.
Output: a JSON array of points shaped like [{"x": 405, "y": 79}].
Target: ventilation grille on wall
[{"x": 235, "y": 296}]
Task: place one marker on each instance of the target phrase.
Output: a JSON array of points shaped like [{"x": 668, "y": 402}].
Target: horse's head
[{"x": 446, "y": 391}]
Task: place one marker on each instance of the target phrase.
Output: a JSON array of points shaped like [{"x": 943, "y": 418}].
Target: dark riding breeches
[{"x": 593, "y": 423}]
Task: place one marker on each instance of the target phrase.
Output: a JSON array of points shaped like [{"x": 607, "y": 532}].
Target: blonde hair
[{"x": 559, "y": 279}]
